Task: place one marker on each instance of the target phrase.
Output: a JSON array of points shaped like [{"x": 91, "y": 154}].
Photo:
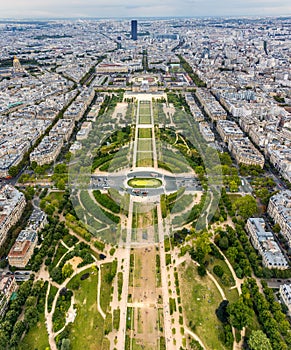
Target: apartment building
[
  {"x": 48, "y": 150},
  {"x": 285, "y": 294},
  {"x": 12, "y": 204},
  {"x": 279, "y": 209},
  {"x": 210, "y": 105},
  {"x": 108, "y": 68},
  {"x": 228, "y": 130},
  {"x": 64, "y": 128},
  {"x": 264, "y": 242},
  {"x": 22, "y": 249},
  {"x": 244, "y": 152},
  {"x": 206, "y": 132},
  {"x": 8, "y": 285}
]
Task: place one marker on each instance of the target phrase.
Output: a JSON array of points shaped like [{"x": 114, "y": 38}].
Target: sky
[{"x": 141, "y": 8}]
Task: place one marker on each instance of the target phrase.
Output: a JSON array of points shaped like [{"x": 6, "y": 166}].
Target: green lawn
[
  {"x": 144, "y": 113},
  {"x": 233, "y": 197},
  {"x": 144, "y": 107},
  {"x": 145, "y": 133},
  {"x": 144, "y": 145},
  {"x": 145, "y": 183},
  {"x": 175, "y": 161},
  {"x": 55, "y": 196},
  {"x": 144, "y": 159},
  {"x": 200, "y": 299},
  {"x": 145, "y": 119},
  {"x": 36, "y": 338},
  {"x": 52, "y": 294},
  {"x": 226, "y": 281},
  {"x": 105, "y": 294},
  {"x": 61, "y": 250},
  {"x": 87, "y": 329}
]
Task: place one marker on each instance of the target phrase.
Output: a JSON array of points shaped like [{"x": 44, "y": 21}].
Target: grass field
[
  {"x": 144, "y": 113},
  {"x": 145, "y": 133},
  {"x": 233, "y": 196},
  {"x": 226, "y": 281},
  {"x": 144, "y": 145},
  {"x": 144, "y": 159},
  {"x": 174, "y": 161},
  {"x": 144, "y": 107},
  {"x": 200, "y": 299},
  {"x": 144, "y": 119},
  {"x": 87, "y": 329},
  {"x": 145, "y": 183},
  {"x": 105, "y": 290}
]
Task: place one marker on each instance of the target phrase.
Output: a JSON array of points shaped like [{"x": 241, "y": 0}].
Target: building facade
[{"x": 134, "y": 29}]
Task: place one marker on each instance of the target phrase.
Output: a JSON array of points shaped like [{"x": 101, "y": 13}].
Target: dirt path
[{"x": 195, "y": 336}]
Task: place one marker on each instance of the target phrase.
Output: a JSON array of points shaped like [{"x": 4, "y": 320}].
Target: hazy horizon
[{"x": 53, "y": 9}]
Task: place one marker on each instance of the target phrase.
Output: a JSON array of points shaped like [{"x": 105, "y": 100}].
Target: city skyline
[{"x": 169, "y": 8}]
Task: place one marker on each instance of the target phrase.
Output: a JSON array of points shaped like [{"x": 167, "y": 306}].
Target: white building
[
  {"x": 285, "y": 293},
  {"x": 264, "y": 242},
  {"x": 279, "y": 209},
  {"x": 12, "y": 204}
]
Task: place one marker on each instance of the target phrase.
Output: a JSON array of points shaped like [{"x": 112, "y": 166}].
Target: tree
[
  {"x": 30, "y": 301},
  {"x": 225, "y": 159},
  {"x": 67, "y": 270},
  {"x": 66, "y": 344},
  {"x": 259, "y": 341},
  {"x": 276, "y": 228},
  {"x": 201, "y": 270},
  {"x": 218, "y": 270},
  {"x": 202, "y": 247},
  {"x": 31, "y": 316},
  {"x": 223, "y": 243},
  {"x": 3, "y": 340},
  {"x": 240, "y": 315},
  {"x": 49, "y": 209},
  {"x": 13, "y": 171},
  {"x": 61, "y": 185},
  {"x": 29, "y": 193},
  {"x": 56, "y": 274},
  {"x": 33, "y": 165},
  {"x": 245, "y": 206},
  {"x": 233, "y": 187}
]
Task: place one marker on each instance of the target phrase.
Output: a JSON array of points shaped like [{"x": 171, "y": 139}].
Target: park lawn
[
  {"x": 36, "y": 338},
  {"x": 144, "y": 107},
  {"x": 145, "y": 119},
  {"x": 144, "y": 145},
  {"x": 175, "y": 161},
  {"x": 233, "y": 197},
  {"x": 227, "y": 281},
  {"x": 55, "y": 197},
  {"x": 144, "y": 183},
  {"x": 61, "y": 250},
  {"x": 105, "y": 290},
  {"x": 87, "y": 329},
  {"x": 200, "y": 299},
  {"x": 144, "y": 159},
  {"x": 145, "y": 133},
  {"x": 52, "y": 293}
]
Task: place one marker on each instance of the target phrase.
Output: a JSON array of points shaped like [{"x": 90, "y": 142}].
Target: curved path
[
  {"x": 195, "y": 336},
  {"x": 49, "y": 315},
  {"x": 102, "y": 313}
]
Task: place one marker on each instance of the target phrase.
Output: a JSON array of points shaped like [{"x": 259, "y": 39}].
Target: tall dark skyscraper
[{"x": 134, "y": 29}]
